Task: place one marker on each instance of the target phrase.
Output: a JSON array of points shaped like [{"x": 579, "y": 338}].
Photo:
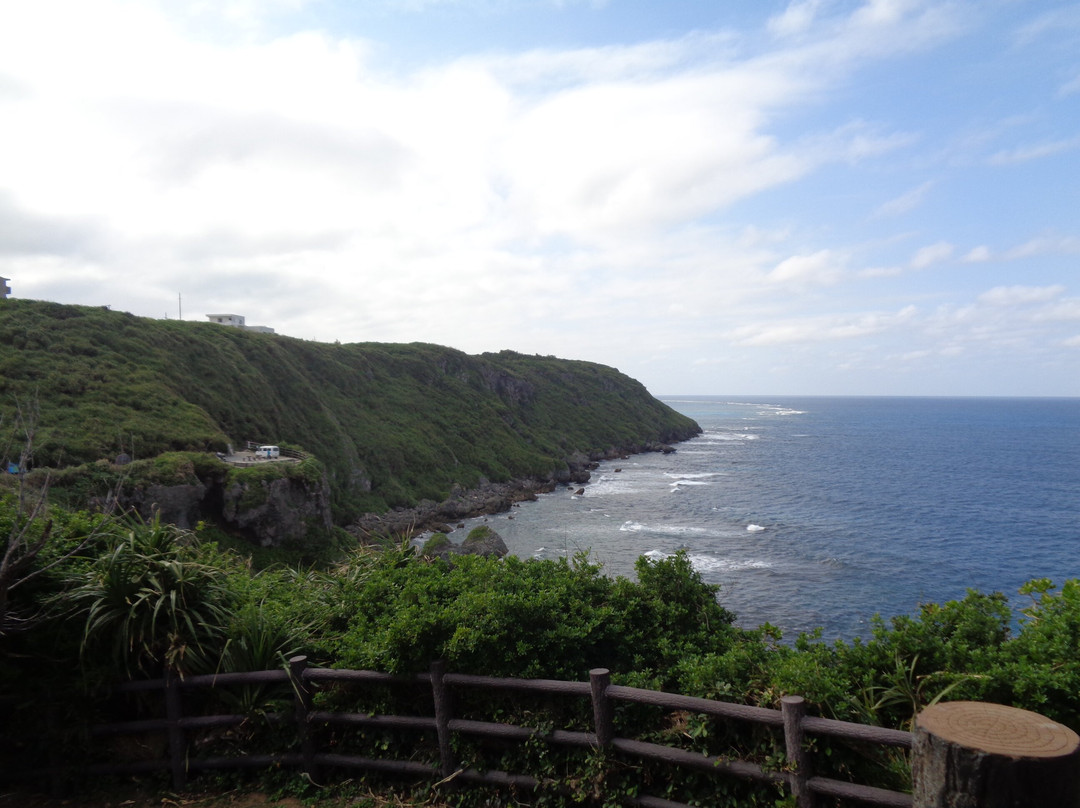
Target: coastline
[{"x": 489, "y": 498}]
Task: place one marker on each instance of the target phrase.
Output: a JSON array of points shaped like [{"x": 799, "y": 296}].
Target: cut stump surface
[
  {"x": 975, "y": 755},
  {"x": 998, "y": 730}
]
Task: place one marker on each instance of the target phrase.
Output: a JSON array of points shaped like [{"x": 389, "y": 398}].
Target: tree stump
[{"x": 969, "y": 754}]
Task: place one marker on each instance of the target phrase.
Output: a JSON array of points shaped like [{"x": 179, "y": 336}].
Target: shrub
[{"x": 150, "y": 600}]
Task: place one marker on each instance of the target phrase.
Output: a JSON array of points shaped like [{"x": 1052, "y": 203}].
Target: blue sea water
[{"x": 824, "y": 511}]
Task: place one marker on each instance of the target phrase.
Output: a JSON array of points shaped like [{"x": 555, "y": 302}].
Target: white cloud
[
  {"x": 1023, "y": 154},
  {"x": 880, "y": 272},
  {"x": 1060, "y": 20},
  {"x": 1064, "y": 310},
  {"x": 1019, "y": 295},
  {"x": 821, "y": 268},
  {"x": 905, "y": 202},
  {"x": 931, "y": 254},
  {"x": 825, "y": 328},
  {"x": 795, "y": 19},
  {"x": 204, "y": 137},
  {"x": 1045, "y": 245}
]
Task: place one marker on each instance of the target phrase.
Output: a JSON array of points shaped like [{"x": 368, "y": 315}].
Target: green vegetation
[
  {"x": 479, "y": 534},
  {"x": 137, "y": 598},
  {"x": 392, "y": 424},
  {"x": 77, "y": 487},
  {"x": 87, "y": 598},
  {"x": 435, "y": 542}
]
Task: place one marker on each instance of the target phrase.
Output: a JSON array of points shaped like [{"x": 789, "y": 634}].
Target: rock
[
  {"x": 180, "y": 505},
  {"x": 437, "y": 545},
  {"x": 271, "y": 513},
  {"x": 482, "y": 541},
  {"x": 278, "y": 512}
]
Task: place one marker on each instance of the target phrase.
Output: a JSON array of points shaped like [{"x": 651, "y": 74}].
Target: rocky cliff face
[
  {"x": 280, "y": 512},
  {"x": 276, "y": 513},
  {"x": 181, "y": 505},
  {"x": 488, "y": 497}
]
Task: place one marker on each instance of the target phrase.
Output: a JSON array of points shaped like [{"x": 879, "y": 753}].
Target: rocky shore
[{"x": 488, "y": 498}]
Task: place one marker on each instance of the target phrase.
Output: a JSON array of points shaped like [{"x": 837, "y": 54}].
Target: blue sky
[{"x": 819, "y": 197}]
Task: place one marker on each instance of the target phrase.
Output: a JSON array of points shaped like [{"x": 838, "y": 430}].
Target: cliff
[{"x": 395, "y": 426}]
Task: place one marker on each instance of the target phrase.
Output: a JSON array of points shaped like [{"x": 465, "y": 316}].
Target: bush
[
  {"x": 150, "y": 601},
  {"x": 1040, "y": 670}
]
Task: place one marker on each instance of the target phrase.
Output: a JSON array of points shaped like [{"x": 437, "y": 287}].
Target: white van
[{"x": 268, "y": 452}]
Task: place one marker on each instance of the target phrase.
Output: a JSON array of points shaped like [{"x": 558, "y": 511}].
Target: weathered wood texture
[
  {"x": 793, "y": 711},
  {"x": 970, "y": 754},
  {"x": 312, "y": 727}
]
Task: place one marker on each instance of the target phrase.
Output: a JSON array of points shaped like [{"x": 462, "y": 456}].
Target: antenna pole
[{"x": 180, "y": 305}]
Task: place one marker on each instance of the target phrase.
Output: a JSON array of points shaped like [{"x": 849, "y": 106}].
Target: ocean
[{"x": 821, "y": 512}]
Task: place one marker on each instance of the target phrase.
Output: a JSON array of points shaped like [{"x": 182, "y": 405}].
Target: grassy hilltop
[{"x": 393, "y": 424}]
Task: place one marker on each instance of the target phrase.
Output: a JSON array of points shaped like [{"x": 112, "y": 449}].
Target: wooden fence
[{"x": 795, "y": 774}]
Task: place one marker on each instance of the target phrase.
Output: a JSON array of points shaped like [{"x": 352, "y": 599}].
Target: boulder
[{"x": 482, "y": 541}]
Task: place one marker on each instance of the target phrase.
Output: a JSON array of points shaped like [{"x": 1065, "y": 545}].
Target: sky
[{"x": 818, "y": 197}]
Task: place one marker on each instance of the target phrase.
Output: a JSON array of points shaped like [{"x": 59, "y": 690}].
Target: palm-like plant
[{"x": 151, "y": 600}]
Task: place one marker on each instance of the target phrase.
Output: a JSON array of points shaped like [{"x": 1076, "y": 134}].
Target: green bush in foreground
[
  {"x": 144, "y": 592},
  {"x": 554, "y": 619},
  {"x": 144, "y": 596}
]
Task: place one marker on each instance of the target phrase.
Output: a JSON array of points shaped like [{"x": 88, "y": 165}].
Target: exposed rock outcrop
[
  {"x": 461, "y": 504},
  {"x": 180, "y": 505},
  {"x": 286, "y": 511},
  {"x": 279, "y": 512},
  {"x": 482, "y": 541}
]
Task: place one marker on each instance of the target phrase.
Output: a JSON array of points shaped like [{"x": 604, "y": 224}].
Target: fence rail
[{"x": 795, "y": 774}]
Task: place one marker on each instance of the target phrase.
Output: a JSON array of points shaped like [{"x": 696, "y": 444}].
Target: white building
[{"x": 237, "y": 321}]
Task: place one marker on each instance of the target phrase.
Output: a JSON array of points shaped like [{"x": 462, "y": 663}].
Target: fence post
[
  {"x": 599, "y": 679},
  {"x": 302, "y": 708},
  {"x": 173, "y": 714},
  {"x": 793, "y": 709},
  {"x": 442, "y": 716}
]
